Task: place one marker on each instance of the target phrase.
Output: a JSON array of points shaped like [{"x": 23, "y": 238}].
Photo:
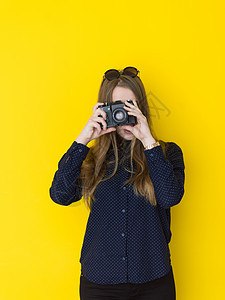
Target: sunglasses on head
[{"x": 113, "y": 73}]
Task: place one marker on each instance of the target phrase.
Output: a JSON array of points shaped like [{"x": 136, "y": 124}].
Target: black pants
[{"x": 159, "y": 289}]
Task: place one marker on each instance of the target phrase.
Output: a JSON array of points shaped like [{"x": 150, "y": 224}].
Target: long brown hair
[{"x": 95, "y": 165}]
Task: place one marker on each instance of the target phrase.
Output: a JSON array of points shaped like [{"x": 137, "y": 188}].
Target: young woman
[{"x": 129, "y": 179}]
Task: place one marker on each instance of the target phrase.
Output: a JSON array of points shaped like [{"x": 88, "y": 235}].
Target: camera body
[{"x": 116, "y": 115}]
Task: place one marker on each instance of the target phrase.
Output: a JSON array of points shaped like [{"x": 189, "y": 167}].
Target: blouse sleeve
[
  {"x": 167, "y": 174},
  {"x": 65, "y": 188}
]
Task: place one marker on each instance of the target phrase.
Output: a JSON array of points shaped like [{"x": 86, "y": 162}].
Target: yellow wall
[{"x": 52, "y": 58}]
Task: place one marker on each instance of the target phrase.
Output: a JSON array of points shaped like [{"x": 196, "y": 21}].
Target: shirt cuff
[
  {"x": 77, "y": 153},
  {"x": 154, "y": 154},
  {"x": 78, "y": 147}
]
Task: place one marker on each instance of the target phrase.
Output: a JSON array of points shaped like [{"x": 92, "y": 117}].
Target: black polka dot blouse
[{"x": 127, "y": 238}]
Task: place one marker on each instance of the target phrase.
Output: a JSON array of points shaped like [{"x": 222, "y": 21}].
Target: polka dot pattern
[{"x": 126, "y": 239}]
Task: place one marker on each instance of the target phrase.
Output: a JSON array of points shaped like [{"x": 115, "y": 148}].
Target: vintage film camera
[{"x": 116, "y": 115}]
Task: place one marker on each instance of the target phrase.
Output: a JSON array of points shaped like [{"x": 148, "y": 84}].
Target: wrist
[
  {"x": 148, "y": 141},
  {"x": 82, "y": 140}
]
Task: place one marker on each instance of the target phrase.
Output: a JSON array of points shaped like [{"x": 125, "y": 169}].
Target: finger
[
  {"x": 101, "y": 112},
  {"x": 131, "y": 105},
  {"x": 135, "y": 103},
  {"x": 97, "y": 126},
  {"x": 98, "y": 121},
  {"x": 140, "y": 117},
  {"x": 129, "y": 110},
  {"x": 101, "y": 120},
  {"x": 110, "y": 129},
  {"x": 127, "y": 103},
  {"x": 133, "y": 112},
  {"x": 97, "y": 105}
]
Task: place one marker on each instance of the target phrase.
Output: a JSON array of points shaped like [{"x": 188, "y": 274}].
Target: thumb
[{"x": 110, "y": 129}]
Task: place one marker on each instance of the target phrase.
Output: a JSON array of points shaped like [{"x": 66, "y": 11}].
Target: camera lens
[{"x": 119, "y": 115}]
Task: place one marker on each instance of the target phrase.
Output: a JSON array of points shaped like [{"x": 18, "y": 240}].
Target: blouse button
[
  {"x": 123, "y": 210},
  {"x": 151, "y": 154},
  {"x": 124, "y": 188},
  {"x": 80, "y": 150}
]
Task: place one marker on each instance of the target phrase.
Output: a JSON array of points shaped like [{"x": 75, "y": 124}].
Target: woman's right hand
[{"x": 92, "y": 129}]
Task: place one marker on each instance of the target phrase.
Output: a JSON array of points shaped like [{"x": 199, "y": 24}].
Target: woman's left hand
[{"x": 141, "y": 129}]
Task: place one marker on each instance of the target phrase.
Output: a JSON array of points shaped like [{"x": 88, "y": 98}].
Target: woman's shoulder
[
  {"x": 171, "y": 148},
  {"x": 169, "y": 145}
]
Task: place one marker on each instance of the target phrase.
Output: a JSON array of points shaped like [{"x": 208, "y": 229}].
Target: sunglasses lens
[
  {"x": 112, "y": 74},
  {"x": 130, "y": 71}
]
